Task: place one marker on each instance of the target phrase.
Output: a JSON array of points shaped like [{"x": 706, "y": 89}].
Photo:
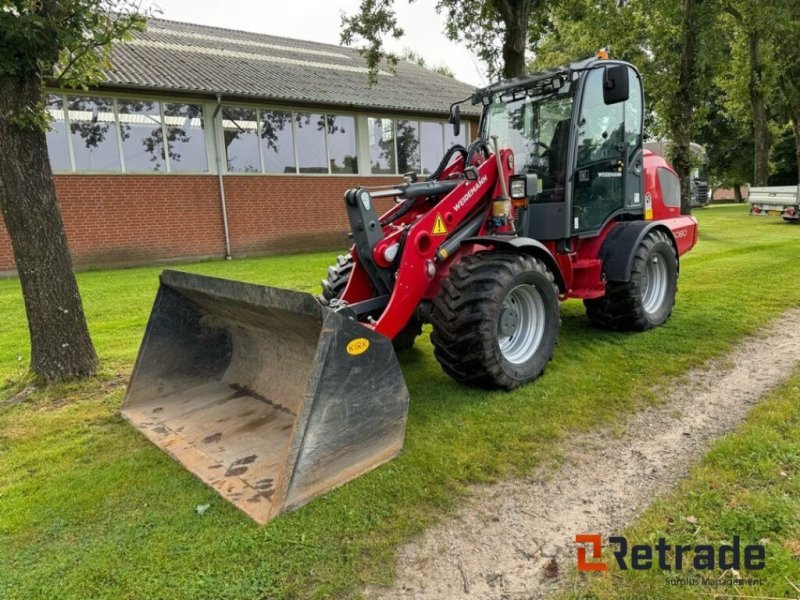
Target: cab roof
[{"x": 540, "y": 82}]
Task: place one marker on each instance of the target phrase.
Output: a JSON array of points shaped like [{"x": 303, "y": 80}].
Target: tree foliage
[
  {"x": 64, "y": 43},
  {"x": 787, "y": 53},
  {"x": 759, "y": 77},
  {"x": 709, "y": 66},
  {"x": 752, "y": 72},
  {"x": 784, "y": 163},
  {"x": 671, "y": 43},
  {"x": 718, "y": 109},
  {"x": 497, "y": 31},
  {"x": 728, "y": 142},
  {"x": 416, "y": 58}
]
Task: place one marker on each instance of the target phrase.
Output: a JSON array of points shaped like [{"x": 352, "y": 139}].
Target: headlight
[{"x": 517, "y": 188}]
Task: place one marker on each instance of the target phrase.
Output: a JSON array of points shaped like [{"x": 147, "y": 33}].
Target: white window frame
[
  {"x": 68, "y": 133},
  {"x": 208, "y": 131},
  {"x": 214, "y": 139},
  {"x": 219, "y": 137},
  {"x": 419, "y": 120},
  {"x": 293, "y": 112},
  {"x": 70, "y": 144}
]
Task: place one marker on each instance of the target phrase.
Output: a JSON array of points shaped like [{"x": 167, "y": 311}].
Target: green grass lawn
[
  {"x": 748, "y": 485},
  {"x": 89, "y": 508}
]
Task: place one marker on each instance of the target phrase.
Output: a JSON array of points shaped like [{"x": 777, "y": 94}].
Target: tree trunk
[
  {"x": 760, "y": 128},
  {"x": 514, "y": 52},
  {"x": 60, "y": 344},
  {"x": 681, "y": 115},
  {"x": 516, "y": 16},
  {"x": 737, "y": 193}
]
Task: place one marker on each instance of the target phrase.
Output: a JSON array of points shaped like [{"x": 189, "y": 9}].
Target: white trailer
[{"x": 778, "y": 200}]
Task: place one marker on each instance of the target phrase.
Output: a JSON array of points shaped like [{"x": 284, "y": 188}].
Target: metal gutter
[
  {"x": 221, "y": 180},
  {"x": 115, "y": 87}
]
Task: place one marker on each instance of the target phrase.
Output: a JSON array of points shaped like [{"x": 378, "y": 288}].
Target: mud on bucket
[{"x": 262, "y": 393}]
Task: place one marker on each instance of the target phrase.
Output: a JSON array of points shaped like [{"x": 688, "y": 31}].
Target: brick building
[{"x": 204, "y": 141}]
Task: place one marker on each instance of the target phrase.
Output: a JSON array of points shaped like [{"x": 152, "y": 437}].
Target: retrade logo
[
  {"x": 596, "y": 543},
  {"x": 666, "y": 557}
]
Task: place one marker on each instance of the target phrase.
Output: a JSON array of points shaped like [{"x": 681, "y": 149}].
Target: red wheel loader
[{"x": 273, "y": 397}]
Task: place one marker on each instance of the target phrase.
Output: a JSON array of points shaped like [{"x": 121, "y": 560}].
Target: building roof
[{"x": 187, "y": 58}]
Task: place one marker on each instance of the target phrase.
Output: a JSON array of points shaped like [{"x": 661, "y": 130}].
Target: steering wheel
[{"x": 543, "y": 145}]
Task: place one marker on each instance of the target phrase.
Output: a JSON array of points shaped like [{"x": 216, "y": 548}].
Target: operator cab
[{"x": 579, "y": 130}]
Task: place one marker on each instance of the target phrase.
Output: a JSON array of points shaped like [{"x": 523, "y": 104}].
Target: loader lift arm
[{"x": 461, "y": 201}]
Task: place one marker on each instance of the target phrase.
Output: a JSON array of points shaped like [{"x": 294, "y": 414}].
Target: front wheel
[
  {"x": 336, "y": 280},
  {"x": 333, "y": 287},
  {"x": 495, "y": 320},
  {"x": 646, "y": 300}
]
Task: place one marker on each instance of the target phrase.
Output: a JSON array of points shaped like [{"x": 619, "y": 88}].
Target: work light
[{"x": 517, "y": 187}]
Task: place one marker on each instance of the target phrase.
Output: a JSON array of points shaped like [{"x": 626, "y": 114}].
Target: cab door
[{"x": 607, "y": 179}]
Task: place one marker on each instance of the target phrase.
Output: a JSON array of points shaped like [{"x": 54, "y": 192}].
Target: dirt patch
[{"x": 514, "y": 538}]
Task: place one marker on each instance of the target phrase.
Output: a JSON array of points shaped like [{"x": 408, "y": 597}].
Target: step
[
  {"x": 586, "y": 293},
  {"x": 586, "y": 263}
]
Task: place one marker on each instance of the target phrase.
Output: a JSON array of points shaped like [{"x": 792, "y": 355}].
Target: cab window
[{"x": 609, "y": 137}]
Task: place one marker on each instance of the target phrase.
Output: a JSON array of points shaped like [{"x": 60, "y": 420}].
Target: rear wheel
[
  {"x": 646, "y": 300},
  {"x": 495, "y": 320},
  {"x": 333, "y": 287}
]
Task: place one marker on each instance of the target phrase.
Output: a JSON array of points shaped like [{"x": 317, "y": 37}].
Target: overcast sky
[{"x": 319, "y": 21}]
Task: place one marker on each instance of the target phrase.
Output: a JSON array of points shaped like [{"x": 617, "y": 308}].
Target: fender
[
  {"x": 619, "y": 247},
  {"x": 523, "y": 245}
]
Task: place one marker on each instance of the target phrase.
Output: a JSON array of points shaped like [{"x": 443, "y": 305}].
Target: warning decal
[
  {"x": 439, "y": 228},
  {"x": 648, "y": 207}
]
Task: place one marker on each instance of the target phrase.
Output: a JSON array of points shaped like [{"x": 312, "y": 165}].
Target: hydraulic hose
[
  {"x": 479, "y": 144},
  {"x": 446, "y": 160}
]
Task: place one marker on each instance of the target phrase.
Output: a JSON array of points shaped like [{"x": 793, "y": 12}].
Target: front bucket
[{"x": 262, "y": 393}]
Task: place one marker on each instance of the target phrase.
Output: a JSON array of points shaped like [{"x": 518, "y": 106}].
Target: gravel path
[{"x": 514, "y": 537}]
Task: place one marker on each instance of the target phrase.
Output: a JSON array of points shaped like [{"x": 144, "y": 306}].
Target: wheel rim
[
  {"x": 521, "y": 324},
  {"x": 654, "y": 283}
]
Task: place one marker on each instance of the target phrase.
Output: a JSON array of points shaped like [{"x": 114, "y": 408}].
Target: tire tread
[
  {"x": 621, "y": 308},
  {"x": 463, "y": 331}
]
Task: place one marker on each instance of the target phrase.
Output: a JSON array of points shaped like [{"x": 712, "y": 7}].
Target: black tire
[
  {"x": 623, "y": 308},
  {"x": 467, "y": 314},
  {"x": 333, "y": 286},
  {"x": 406, "y": 338},
  {"x": 338, "y": 275}
]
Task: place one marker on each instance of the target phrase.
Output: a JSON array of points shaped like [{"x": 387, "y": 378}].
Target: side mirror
[
  {"x": 455, "y": 119},
  {"x": 615, "y": 84}
]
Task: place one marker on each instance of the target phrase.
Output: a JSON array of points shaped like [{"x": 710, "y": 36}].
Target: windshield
[{"x": 537, "y": 130}]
